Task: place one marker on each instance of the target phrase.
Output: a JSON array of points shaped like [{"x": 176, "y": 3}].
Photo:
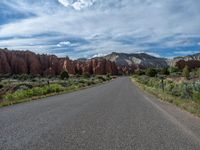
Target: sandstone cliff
[{"x": 26, "y": 62}]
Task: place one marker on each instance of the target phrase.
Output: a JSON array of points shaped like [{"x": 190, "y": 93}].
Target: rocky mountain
[{"x": 140, "y": 60}]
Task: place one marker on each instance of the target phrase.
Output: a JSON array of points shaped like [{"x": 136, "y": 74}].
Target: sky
[{"x": 88, "y": 28}]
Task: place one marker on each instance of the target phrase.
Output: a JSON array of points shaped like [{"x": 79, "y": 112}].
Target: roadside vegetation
[
  {"x": 178, "y": 86},
  {"x": 21, "y": 88}
]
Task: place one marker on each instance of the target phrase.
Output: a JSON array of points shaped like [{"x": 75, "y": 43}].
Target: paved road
[{"x": 113, "y": 116}]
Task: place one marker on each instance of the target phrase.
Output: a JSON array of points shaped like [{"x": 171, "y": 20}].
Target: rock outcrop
[
  {"x": 26, "y": 62},
  {"x": 96, "y": 66}
]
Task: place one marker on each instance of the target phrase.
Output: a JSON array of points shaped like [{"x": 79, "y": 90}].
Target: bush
[
  {"x": 108, "y": 76},
  {"x": 86, "y": 75},
  {"x": 198, "y": 72},
  {"x": 173, "y": 70},
  {"x": 89, "y": 83},
  {"x": 139, "y": 72},
  {"x": 176, "y": 91},
  {"x": 102, "y": 78},
  {"x": 151, "y": 72},
  {"x": 14, "y": 76},
  {"x": 64, "y": 75},
  {"x": 1, "y": 86},
  {"x": 186, "y": 72},
  {"x": 188, "y": 91},
  {"x": 165, "y": 71},
  {"x": 196, "y": 97},
  {"x": 194, "y": 74},
  {"x": 169, "y": 86},
  {"x": 77, "y": 75},
  {"x": 23, "y": 77}
]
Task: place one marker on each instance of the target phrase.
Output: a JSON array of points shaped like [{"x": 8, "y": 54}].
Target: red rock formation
[
  {"x": 26, "y": 62},
  {"x": 4, "y": 64},
  {"x": 96, "y": 66}
]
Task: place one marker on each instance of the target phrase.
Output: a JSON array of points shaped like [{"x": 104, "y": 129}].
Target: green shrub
[
  {"x": 82, "y": 81},
  {"x": 186, "y": 72},
  {"x": 89, "y": 83},
  {"x": 173, "y": 70},
  {"x": 186, "y": 91},
  {"x": 198, "y": 72},
  {"x": 1, "y": 86},
  {"x": 77, "y": 75},
  {"x": 169, "y": 86},
  {"x": 64, "y": 75},
  {"x": 102, "y": 78},
  {"x": 23, "y": 77},
  {"x": 196, "y": 97},
  {"x": 151, "y": 72},
  {"x": 140, "y": 72},
  {"x": 165, "y": 71},
  {"x": 108, "y": 76},
  {"x": 86, "y": 75},
  {"x": 176, "y": 91}
]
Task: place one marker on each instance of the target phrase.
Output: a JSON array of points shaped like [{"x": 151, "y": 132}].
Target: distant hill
[
  {"x": 141, "y": 60},
  {"x": 189, "y": 57}
]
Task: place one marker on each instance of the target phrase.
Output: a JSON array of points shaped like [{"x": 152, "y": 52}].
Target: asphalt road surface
[{"x": 113, "y": 116}]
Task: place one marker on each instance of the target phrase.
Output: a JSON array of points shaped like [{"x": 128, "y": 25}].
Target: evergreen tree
[{"x": 64, "y": 75}]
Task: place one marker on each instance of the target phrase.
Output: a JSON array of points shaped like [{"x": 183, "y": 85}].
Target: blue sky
[{"x": 87, "y": 28}]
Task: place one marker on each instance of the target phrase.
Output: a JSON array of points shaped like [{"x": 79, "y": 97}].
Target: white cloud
[
  {"x": 98, "y": 55},
  {"x": 78, "y": 4},
  {"x": 65, "y": 3},
  {"x": 64, "y": 43}
]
